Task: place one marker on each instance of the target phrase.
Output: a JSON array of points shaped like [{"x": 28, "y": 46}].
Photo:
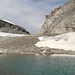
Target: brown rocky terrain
[
  {"x": 26, "y": 45},
  {"x": 21, "y": 45}
]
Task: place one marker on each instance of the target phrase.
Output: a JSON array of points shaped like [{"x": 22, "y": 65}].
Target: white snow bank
[
  {"x": 7, "y": 21},
  {"x": 65, "y": 41},
  {"x": 10, "y": 35},
  {"x": 64, "y": 55}
]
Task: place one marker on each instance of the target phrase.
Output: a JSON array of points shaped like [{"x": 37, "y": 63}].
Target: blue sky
[{"x": 29, "y": 14}]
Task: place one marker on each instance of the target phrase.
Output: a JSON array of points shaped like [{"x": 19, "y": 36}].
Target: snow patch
[
  {"x": 64, "y": 41},
  {"x": 2, "y": 34},
  {"x": 8, "y": 21},
  {"x": 64, "y": 55}
]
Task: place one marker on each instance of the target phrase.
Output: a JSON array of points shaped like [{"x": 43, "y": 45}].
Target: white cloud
[{"x": 28, "y": 13}]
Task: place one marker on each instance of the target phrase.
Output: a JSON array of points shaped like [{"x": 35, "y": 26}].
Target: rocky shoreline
[
  {"x": 26, "y": 45},
  {"x": 41, "y": 52}
]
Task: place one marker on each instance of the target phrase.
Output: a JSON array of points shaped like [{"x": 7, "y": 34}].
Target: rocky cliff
[
  {"x": 61, "y": 20},
  {"x": 11, "y": 28}
]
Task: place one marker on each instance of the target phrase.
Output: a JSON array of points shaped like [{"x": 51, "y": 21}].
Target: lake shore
[{"x": 62, "y": 55}]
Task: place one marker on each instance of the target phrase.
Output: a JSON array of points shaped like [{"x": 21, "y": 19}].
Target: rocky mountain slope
[
  {"x": 61, "y": 20},
  {"x": 8, "y": 27}
]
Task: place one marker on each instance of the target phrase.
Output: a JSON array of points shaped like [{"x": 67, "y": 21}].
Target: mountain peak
[
  {"x": 9, "y": 27},
  {"x": 60, "y": 20},
  {"x": 8, "y": 21}
]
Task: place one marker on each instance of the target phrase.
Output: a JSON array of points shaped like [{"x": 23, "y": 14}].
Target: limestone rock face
[
  {"x": 61, "y": 20},
  {"x": 11, "y": 28}
]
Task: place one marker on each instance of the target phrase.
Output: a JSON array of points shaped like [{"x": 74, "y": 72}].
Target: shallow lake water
[{"x": 36, "y": 65}]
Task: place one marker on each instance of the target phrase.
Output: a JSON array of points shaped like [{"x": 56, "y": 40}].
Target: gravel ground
[{"x": 23, "y": 45}]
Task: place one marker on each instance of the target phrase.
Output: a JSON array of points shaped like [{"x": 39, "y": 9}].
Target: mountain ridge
[
  {"x": 11, "y": 28},
  {"x": 59, "y": 21}
]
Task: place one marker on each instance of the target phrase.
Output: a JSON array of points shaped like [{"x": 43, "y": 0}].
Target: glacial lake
[{"x": 36, "y": 65}]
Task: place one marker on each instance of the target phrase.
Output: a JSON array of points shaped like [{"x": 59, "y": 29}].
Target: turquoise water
[{"x": 36, "y": 65}]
